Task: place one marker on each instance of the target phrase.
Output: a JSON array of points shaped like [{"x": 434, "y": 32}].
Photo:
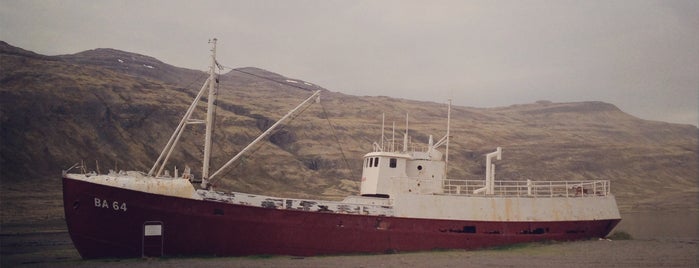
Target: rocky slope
[{"x": 114, "y": 109}]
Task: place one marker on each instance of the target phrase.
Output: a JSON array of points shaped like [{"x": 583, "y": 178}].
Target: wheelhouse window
[
  {"x": 393, "y": 163},
  {"x": 372, "y": 162}
]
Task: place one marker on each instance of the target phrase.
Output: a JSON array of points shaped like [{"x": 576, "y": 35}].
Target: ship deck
[{"x": 377, "y": 206}]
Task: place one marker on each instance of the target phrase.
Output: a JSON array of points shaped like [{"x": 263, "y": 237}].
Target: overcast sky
[{"x": 642, "y": 56}]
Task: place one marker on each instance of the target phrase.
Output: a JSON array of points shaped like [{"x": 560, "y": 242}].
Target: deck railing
[
  {"x": 396, "y": 145},
  {"x": 530, "y": 188}
]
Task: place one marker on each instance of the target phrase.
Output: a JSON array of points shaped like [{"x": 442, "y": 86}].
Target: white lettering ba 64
[{"x": 115, "y": 205}]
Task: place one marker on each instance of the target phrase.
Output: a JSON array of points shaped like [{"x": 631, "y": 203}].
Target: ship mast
[
  {"x": 210, "y": 111},
  {"x": 210, "y": 86}
]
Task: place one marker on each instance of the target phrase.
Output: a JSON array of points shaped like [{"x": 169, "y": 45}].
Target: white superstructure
[{"x": 413, "y": 179}]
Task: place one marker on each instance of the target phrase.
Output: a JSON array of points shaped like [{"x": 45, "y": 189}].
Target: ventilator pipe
[
  {"x": 490, "y": 172},
  {"x": 490, "y": 169}
]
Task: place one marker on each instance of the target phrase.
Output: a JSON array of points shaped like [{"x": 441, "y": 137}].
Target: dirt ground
[{"x": 54, "y": 249}]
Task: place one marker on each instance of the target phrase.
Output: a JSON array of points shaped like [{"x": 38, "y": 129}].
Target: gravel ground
[{"x": 54, "y": 249}]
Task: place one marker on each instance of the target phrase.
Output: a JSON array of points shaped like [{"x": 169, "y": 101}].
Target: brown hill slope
[
  {"x": 133, "y": 64},
  {"x": 56, "y": 111}
]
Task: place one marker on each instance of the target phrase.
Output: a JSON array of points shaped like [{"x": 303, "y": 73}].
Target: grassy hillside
[{"x": 117, "y": 109}]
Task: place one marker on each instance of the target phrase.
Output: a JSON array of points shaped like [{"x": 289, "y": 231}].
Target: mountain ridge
[{"x": 57, "y": 110}]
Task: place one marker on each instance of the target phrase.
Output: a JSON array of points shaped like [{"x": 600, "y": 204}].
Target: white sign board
[{"x": 153, "y": 230}]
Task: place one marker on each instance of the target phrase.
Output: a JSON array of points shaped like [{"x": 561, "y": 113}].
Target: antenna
[
  {"x": 393, "y": 137},
  {"x": 405, "y": 137},
  {"x": 446, "y": 150},
  {"x": 383, "y": 127},
  {"x": 445, "y": 140}
]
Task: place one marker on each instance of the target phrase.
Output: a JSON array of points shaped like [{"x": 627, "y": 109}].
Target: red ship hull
[{"x": 106, "y": 221}]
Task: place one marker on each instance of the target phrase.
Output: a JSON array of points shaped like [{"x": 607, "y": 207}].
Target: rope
[
  {"x": 262, "y": 77},
  {"x": 325, "y": 114},
  {"x": 195, "y": 80},
  {"x": 337, "y": 140},
  {"x": 214, "y": 124}
]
